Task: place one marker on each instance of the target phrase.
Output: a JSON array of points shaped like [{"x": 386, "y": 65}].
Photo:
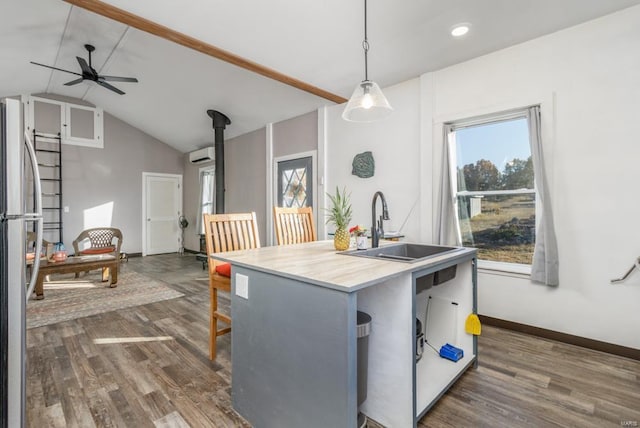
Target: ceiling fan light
[{"x": 367, "y": 104}]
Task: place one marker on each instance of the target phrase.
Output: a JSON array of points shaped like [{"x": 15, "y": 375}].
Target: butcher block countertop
[{"x": 320, "y": 264}]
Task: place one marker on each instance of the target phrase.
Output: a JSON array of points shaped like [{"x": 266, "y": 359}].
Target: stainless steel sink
[{"x": 408, "y": 253}]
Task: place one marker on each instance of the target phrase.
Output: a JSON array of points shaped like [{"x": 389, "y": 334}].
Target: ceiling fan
[{"x": 89, "y": 73}]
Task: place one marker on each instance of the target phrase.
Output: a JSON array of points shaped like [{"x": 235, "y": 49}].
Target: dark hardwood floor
[{"x": 156, "y": 371}]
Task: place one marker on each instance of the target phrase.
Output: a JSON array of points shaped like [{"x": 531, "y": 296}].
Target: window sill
[{"x": 514, "y": 270}]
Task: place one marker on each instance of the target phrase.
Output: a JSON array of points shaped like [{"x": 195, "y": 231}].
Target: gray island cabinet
[{"x": 294, "y": 334}]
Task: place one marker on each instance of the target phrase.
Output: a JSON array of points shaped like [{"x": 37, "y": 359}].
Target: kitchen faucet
[{"x": 377, "y": 230}]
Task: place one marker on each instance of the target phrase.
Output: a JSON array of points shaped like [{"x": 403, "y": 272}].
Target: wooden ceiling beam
[{"x": 167, "y": 33}]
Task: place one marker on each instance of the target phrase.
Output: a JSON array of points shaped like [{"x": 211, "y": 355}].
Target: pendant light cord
[{"x": 365, "y": 44}]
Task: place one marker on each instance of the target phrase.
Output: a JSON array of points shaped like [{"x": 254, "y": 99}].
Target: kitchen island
[{"x": 294, "y": 333}]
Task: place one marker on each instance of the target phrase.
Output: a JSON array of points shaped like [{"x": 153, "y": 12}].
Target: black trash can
[{"x": 363, "y": 330}]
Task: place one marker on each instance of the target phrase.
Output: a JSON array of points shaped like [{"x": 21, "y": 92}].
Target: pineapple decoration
[{"x": 340, "y": 215}]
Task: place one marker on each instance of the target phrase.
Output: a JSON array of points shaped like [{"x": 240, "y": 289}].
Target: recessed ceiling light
[{"x": 460, "y": 30}]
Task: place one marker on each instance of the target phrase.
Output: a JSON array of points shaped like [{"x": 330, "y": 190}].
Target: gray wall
[
  {"x": 245, "y": 183},
  {"x": 245, "y": 175},
  {"x": 246, "y": 171},
  {"x": 296, "y": 135},
  {"x": 94, "y": 177},
  {"x": 190, "y": 203}
]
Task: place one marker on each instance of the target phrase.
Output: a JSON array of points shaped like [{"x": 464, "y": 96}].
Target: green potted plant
[{"x": 340, "y": 215}]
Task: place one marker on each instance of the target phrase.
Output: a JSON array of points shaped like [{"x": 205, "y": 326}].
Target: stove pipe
[{"x": 220, "y": 121}]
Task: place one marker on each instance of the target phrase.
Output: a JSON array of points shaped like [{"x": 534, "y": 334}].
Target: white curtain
[
  {"x": 206, "y": 202},
  {"x": 544, "y": 268},
  {"x": 447, "y": 224}
]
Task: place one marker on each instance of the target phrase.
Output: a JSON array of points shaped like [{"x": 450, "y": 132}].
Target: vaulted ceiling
[{"x": 317, "y": 42}]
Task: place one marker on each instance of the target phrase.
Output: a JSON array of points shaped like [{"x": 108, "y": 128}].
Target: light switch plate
[{"x": 242, "y": 286}]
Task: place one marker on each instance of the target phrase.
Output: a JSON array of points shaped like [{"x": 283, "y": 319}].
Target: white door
[{"x": 162, "y": 196}]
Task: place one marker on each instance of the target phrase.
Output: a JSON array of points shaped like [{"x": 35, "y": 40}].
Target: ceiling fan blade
[
  {"x": 55, "y": 68},
  {"x": 83, "y": 64},
  {"x": 110, "y": 87},
  {"x": 74, "y": 82},
  {"x": 118, "y": 79}
]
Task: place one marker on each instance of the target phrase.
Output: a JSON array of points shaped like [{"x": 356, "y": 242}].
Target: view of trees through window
[
  {"x": 496, "y": 193},
  {"x": 484, "y": 175}
]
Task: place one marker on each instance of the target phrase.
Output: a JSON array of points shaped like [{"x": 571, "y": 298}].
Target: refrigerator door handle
[
  {"x": 36, "y": 260},
  {"x": 35, "y": 216},
  {"x": 37, "y": 213}
]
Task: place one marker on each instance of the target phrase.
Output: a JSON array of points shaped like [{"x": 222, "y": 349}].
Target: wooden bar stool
[{"x": 225, "y": 232}]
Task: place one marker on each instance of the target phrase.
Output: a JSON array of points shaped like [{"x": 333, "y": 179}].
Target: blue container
[{"x": 452, "y": 353}]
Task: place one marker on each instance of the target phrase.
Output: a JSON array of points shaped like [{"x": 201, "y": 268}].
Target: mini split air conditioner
[{"x": 202, "y": 155}]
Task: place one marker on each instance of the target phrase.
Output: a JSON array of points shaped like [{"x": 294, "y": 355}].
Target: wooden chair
[
  {"x": 225, "y": 232},
  {"x": 294, "y": 225},
  {"x": 31, "y": 245}
]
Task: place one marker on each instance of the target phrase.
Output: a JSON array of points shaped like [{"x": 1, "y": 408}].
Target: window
[
  {"x": 494, "y": 187},
  {"x": 295, "y": 187},
  {"x": 206, "y": 202}
]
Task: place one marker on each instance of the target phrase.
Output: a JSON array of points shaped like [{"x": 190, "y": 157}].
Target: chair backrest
[
  {"x": 294, "y": 225},
  {"x": 230, "y": 232},
  {"x": 31, "y": 243},
  {"x": 99, "y": 237}
]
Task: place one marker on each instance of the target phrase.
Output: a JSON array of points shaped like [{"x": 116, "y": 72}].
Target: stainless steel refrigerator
[{"x": 17, "y": 160}]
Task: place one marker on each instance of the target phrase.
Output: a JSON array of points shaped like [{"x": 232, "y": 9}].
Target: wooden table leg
[
  {"x": 39, "y": 288},
  {"x": 114, "y": 275}
]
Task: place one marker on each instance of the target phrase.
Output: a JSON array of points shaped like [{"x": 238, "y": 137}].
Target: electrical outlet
[{"x": 242, "y": 286}]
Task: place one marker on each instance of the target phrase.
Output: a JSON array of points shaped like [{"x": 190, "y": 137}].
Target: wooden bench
[{"x": 76, "y": 265}]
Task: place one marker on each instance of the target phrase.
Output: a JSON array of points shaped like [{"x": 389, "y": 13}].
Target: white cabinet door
[{"x": 76, "y": 124}]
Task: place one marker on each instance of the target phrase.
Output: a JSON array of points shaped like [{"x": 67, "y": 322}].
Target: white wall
[
  {"x": 588, "y": 75},
  {"x": 587, "y": 80},
  {"x": 394, "y": 142}
]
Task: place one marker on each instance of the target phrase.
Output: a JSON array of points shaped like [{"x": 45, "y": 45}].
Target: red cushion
[
  {"x": 224, "y": 269},
  {"x": 100, "y": 250}
]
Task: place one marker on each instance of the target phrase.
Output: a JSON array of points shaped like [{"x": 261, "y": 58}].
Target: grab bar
[{"x": 636, "y": 265}]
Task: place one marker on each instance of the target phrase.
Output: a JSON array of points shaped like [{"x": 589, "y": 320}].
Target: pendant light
[{"x": 367, "y": 103}]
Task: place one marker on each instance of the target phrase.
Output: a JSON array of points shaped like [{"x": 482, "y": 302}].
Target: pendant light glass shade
[{"x": 367, "y": 103}]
